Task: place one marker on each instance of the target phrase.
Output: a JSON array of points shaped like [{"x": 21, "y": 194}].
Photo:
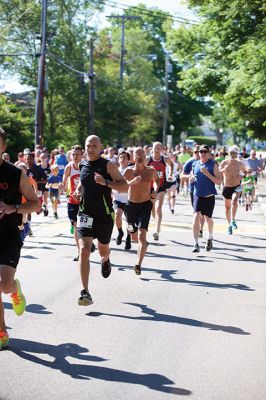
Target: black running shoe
[
  {"x": 93, "y": 247},
  {"x": 128, "y": 244},
  {"x": 196, "y": 249},
  {"x": 76, "y": 258},
  {"x": 137, "y": 269},
  {"x": 85, "y": 298},
  {"x": 106, "y": 268},
  {"x": 209, "y": 245},
  {"x": 119, "y": 238}
]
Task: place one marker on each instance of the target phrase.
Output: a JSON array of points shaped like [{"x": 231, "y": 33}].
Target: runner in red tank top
[
  {"x": 70, "y": 183},
  {"x": 158, "y": 162}
]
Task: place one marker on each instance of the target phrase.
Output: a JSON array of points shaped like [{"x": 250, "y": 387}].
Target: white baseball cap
[{"x": 233, "y": 149}]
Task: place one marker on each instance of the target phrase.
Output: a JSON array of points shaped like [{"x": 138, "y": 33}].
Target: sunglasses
[
  {"x": 203, "y": 151},
  {"x": 196, "y": 151}
]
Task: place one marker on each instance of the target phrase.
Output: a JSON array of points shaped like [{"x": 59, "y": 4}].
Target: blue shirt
[
  {"x": 54, "y": 180},
  {"x": 187, "y": 169},
  {"x": 203, "y": 186},
  {"x": 61, "y": 161}
]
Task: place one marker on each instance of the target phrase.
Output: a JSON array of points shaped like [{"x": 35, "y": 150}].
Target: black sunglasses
[{"x": 203, "y": 151}]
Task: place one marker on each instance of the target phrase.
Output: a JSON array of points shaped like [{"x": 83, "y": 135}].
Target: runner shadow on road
[
  {"x": 152, "y": 315},
  {"x": 31, "y": 308},
  {"x": 26, "y": 348},
  {"x": 167, "y": 277},
  {"x": 248, "y": 246}
]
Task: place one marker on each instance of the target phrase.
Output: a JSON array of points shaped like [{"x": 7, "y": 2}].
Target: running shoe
[
  {"x": 72, "y": 229},
  {"x": 247, "y": 207},
  {"x": 85, "y": 298},
  {"x": 137, "y": 269},
  {"x": 55, "y": 215},
  {"x": 200, "y": 234},
  {"x": 233, "y": 223},
  {"x": 230, "y": 230},
  {"x": 209, "y": 245},
  {"x": 119, "y": 238},
  {"x": 76, "y": 258},
  {"x": 18, "y": 300},
  {"x": 4, "y": 340},
  {"x": 93, "y": 247},
  {"x": 106, "y": 268},
  {"x": 128, "y": 243},
  {"x": 156, "y": 236},
  {"x": 196, "y": 249},
  {"x": 172, "y": 211}
]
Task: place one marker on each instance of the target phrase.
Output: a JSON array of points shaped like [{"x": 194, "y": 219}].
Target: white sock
[{"x": 209, "y": 236}]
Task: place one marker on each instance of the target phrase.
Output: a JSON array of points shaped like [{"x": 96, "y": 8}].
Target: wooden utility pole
[
  {"x": 123, "y": 51},
  {"x": 92, "y": 92},
  {"x": 39, "y": 106}
]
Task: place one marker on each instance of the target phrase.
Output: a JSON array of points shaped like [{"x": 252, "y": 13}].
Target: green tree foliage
[
  {"x": 124, "y": 114},
  {"x": 224, "y": 57},
  {"x": 17, "y": 122}
]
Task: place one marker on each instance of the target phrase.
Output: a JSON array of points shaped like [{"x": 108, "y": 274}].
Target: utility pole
[
  {"x": 166, "y": 100},
  {"x": 92, "y": 92},
  {"x": 123, "y": 51},
  {"x": 39, "y": 106}
]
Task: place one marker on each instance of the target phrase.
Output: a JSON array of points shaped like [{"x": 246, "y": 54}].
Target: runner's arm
[
  {"x": 118, "y": 182},
  {"x": 66, "y": 176}
]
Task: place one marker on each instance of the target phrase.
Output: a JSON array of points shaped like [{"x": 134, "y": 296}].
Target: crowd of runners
[{"x": 102, "y": 186}]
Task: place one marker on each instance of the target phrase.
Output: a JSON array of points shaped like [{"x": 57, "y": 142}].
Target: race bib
[
  {"x": 84, "y": 221},
  {"x": 160, "y": 174},
  {"x": 238, "y": 189}
]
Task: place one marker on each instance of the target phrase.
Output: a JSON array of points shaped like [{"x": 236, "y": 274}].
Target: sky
[{"x": 176, "y": 7}]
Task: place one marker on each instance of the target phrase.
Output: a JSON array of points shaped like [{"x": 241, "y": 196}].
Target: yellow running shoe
[
  {"x": 4, "y": 340},
  {"x": 18, "y": 300}
]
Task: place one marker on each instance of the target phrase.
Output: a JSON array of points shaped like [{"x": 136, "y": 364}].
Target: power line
[
  {"x": 19, "y": 17},
  {"x": 145, "y": 12}
]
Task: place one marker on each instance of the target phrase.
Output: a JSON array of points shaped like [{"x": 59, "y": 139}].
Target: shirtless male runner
[
  {"x": 159, "y": 161},
  {"x": 139, "y": 206},
  {"x": 231, "y": 169}
]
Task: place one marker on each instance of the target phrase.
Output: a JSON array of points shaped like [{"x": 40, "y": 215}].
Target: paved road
[{"x": 191, "y": 326}]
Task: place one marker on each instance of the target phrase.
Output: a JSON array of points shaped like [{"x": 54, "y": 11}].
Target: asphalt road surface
[{"x": 190, "y": 326}]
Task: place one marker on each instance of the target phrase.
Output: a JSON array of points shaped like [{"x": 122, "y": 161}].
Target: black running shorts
[
  {"x": 205, "y": 205},
  {"x": 229, "y": 191},
  {"x": 101, "y": 230},
  {"x": 72, "y": 211},
  {"x": 10, "y": 246},
  {"x": 138, "y": 215},
  {"x": 118, "y": 204}
]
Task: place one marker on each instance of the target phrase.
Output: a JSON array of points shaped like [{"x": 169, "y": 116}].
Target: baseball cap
[
  {"x": 204, "y": 147},
  {"x": 233, "y": 149}
]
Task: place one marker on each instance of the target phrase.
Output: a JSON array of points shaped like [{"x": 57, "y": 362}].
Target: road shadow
[
  {"x": 167, "y": 276},
  {"x": 29, "y": 350},
  {"x": 246, "y": 246},
  {"x": 240, "y": 258},
  {"x": 152, "y": 315},
  {"x": 31, "y": 308},
  {"x": 25, "y": 246}
]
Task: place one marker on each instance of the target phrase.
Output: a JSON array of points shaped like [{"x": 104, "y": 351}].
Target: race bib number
[
  {"x": 130, "y": 227},
  {"x": 238, "y": 189},
  {"x": 160, "y": 174},
  {"x": 84, "y": 221}
]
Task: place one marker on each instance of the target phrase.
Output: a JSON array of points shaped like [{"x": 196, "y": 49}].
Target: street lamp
[{"x": 170, "y": 136}]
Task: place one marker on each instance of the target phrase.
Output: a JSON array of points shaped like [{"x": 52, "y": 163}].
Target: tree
[
  {"x": 16, "y": 120},
  {"x": 224, "y": 57}
]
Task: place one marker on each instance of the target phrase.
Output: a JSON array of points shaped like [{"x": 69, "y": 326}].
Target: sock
[
  {"x": 196, "y": 242},
  {"x": 209, "y": 236},
  {"x": 120, "y": 230}
]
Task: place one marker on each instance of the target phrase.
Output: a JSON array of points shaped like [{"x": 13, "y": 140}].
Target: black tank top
[
  {"x": 96, "y": 200},
  {"x": 10, "y": 194}
]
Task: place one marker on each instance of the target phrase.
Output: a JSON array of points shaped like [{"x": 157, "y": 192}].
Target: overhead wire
[
  {"x": 146, "y": 12},
  {"x": 18, "y": 18}
]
